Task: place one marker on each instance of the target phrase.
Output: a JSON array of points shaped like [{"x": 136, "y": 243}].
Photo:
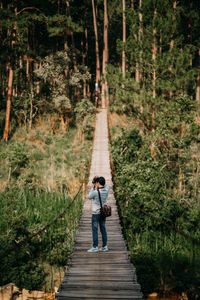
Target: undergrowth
[
  {"x": 40, "y": 173},
  {"x": 155, "y": 209}
]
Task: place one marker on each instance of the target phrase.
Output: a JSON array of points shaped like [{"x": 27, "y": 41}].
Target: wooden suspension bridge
[{"x": 101, "y": 275}]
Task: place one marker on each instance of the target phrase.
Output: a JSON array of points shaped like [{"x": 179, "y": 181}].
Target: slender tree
[
  {"x": 132, "y": 4},
  {"x": 124, "y": 39},
  {"x": 139, "y": 37},
  {"x": 105, "y": 58},
  {"x": 154, "y": 55},
  {"x": 172, "y": 39},
  {"x": 198, "y": 79},
  {"x": 10, "y": 84},
  {"x": 8, "y": 106},
  {"x": 98, "y": 74}
]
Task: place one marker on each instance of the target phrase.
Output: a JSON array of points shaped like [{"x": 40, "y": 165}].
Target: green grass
[
  {"x": 40, "y": 159},
  {"x": 39, "y": 174}
]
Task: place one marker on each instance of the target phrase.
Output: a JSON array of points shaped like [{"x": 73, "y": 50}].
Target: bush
[
  {"x": 29, "y": 211},
  {"x": 152, "y": 211},
  {"x": 83, "y": 109},
  {"x": 18, "y": 158},
  {"x": 85, "y": 112}
]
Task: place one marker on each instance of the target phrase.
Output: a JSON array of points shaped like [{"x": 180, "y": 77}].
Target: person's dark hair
[
  {"x": 101, "y": 180},
  {"x": 95, "y": 179}
]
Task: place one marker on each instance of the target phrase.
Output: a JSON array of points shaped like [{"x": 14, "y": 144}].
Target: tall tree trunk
[
  {"x": 86, "y": 45},
  {"x": 1, "y": 72},
  {"x": 10, "y": 87},
  {"x": 65, "y": 43},
  {"x": 65, "y": 37},
  {"x": 132, "y": 4},
  {"x": 172, "y": 40},
  {"x": 72, "y": 39},
  {"x": 160, "y": 41},
  {"x": 86, "y": 87},
  {"x": 84, "y": 54},
  {"x": 154, "y": 54},
  {"x": 190, "y": 31},
  {"x": 63, "y": 124},
  {"x": 105, "y": 58},
  {"x": 58, "y": 6},
  {"x": 77, "y": 90},
  {"x": 98, "y": 72},
  {"x": 8, "y": 106},
  {"x": 37, "y": 82},
  {"x": 137, "y": 72},
  {"x": 124, "y": 39},
  {"x": 198, "y": 80}
]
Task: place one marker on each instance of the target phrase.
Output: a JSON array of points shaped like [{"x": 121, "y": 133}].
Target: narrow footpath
[{"x": 102, "y": 275}]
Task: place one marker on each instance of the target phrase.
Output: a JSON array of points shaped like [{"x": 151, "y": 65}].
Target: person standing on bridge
[{"x": 98, "y": 183}]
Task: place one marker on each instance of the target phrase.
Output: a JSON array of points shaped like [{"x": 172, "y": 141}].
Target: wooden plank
[
  {"x": 98, "y": 291},
  {"x": 109, "y": 274},
  {"x": 101, "y": 255},
  {"x": 106, "y": 267},
  {"x": 101, "y": 293},
  {"x": 80, "y": 296},
  {"x": 76, "y": 277},
  {"x": 96, "y": 261},
  {"x": 101, "y": 273},
  {"x": 95, "y": 284},
  {"x": 106, "y": 254}
]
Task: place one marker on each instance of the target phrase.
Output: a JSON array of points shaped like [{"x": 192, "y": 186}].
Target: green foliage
[
  {"x": 17, "y": 158},
  {"x": 151, "y": 184},
  {"x": 147, "y": 271},
  {"x": 53, "y": 70},
  {"x": 124, "y": 92},
  {"x": 58, "y": 25},
  {"x": 79, "y": 76},
  {"x": 28, "y": 212},
  {"x": 88, "y": 127},
  {"x": 85, "y": 111},
  {"x": 130, "y": 142},
  {"x": 163, "y": 272},
  {"x": 38, "y": 160},
  {"x": 38, "y": 173}
]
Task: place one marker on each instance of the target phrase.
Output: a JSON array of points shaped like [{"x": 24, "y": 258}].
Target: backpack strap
[{"x": 99, "y": 197}]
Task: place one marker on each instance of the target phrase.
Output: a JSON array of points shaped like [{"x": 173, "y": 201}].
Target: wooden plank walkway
[{"x": 102, "y": 275}]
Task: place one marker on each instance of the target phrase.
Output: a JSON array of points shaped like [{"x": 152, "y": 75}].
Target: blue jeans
[{"x": 102, "y": 223}]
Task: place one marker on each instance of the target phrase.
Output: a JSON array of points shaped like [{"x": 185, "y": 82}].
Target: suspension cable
[
  {"x": 144, "y": 212},
  {"x": 39, "y": 232}
]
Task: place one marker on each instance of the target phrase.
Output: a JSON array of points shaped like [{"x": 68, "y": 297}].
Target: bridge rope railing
[
  {"x": 161, "y": 221},
  {"x": 144, "y": 212},
  {"x": 175, "y": 229},
  {"x": 47, "y": 226}
]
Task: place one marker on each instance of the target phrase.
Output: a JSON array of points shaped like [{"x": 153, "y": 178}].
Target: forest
[{"x": 61, "y": 59}]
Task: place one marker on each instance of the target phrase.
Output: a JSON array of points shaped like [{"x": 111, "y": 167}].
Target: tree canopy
[{"x": 141, "y": 59}]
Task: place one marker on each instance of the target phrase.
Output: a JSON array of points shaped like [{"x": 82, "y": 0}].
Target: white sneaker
[
  {"x": 93, "y": 249},
  {"x": 103, "y": 249}
]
